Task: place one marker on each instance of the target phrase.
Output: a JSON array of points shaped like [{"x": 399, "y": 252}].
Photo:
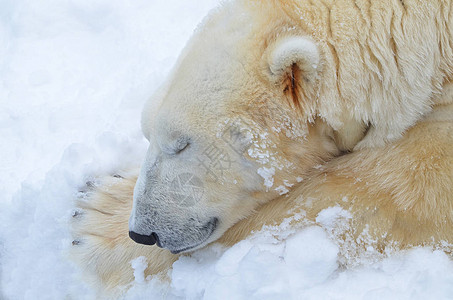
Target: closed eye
[
  {"x": 181, "y": 145},
  {"x": 176, "y": 146},
  {"x": 182, "y": 148}
]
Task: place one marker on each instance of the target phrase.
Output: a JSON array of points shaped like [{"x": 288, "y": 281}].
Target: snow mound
[{"x": 303, "y": 266}]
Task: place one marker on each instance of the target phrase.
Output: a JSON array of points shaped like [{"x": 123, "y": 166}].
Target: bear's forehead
[
  {"x": 209, "y": 76},
  {"x": 219, "y": 71}
]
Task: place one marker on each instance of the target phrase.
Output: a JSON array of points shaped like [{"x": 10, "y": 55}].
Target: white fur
[
  {"x": 366, "y": 72},
  {"x": 291, "y": 50},
  {"x": 351, "y": 84}
]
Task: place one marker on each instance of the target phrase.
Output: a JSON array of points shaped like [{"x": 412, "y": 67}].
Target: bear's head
[{"x": 234, "y": 126}]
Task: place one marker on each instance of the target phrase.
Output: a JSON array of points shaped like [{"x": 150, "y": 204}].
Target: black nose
[{"x": 144, "y": 239}]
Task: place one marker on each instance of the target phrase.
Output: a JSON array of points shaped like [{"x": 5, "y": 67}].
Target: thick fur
[
  {"x": 374, "y": 55},
  {"x": 299, "y": 82},
  {"x": 402, "y": 194},
  {"x": 327, "y": 101}
]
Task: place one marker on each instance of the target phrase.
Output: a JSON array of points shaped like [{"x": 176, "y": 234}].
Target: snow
[
  {"x": 267, "y": 174},
  {"x": 139, "y": 265},
  {"x": 282, "y": 190},
  {"x": 74, "y": 76},
  {"x": 331, "y": 217},
  {"x": 303, "y": 266}
]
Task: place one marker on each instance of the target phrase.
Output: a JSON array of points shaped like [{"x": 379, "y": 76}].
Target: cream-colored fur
[
  {"x": 296, "y": 86},
  {"x": 401, "y": 193},
  {"x": 374, "y": 55},
  {"x": 320, "y": 77}
]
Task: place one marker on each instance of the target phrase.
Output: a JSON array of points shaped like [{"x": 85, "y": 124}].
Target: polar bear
[{"x": 282, "y": 106}]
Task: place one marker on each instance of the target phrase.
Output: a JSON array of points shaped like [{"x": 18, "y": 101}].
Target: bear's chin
[{"x": 209, "y": 229}]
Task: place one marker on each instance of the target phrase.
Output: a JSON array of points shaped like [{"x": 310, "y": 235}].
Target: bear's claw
[
  {"x": 90, "y": 184},
  {"x": 76, "y": 213}
]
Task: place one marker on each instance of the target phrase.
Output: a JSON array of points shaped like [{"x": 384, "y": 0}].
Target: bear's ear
[
  {"x": 289, "y": 52},
  {"x": 293, "y": 64}
]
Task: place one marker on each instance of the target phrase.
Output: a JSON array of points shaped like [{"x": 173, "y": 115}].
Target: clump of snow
[
  {"x": 268, "y": 175},
  {"x": 139, "y": 265},
  {"x": 310, "y": 250},
  {"x": 74, "y": 76},
  {"x": 282, "y": 190},
  {"x": 332, "y": 217}
]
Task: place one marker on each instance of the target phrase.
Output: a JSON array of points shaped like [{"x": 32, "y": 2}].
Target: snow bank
[
  {"x": 303, "y": 266},
  {"x": 73, "y": 78}
]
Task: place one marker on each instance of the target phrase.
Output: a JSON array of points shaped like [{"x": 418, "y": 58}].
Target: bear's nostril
[
  {"x": 143, "y": 239},
  {"x": 156, "y": 237}
]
